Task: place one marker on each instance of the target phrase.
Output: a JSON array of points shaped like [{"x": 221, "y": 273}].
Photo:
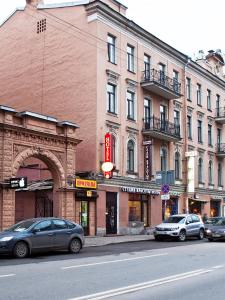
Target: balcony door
[
  {"x": 163, "y": 117},
  {"x": 147, "y": 113}
]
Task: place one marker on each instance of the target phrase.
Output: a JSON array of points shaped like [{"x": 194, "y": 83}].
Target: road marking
[
  {"x": 218, "y": 267},
  {"x": 113, "y": 261},
  {"x": 7, "y": 275},
  {"x": 141, "y": 286}
]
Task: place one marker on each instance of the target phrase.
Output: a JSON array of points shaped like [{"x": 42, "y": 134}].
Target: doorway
[
  {"x": 111, "y": 213},
  {"x": 84, "y": 213}
]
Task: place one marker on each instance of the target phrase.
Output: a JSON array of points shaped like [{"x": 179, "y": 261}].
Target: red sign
[{"x": 108, "y": 152}]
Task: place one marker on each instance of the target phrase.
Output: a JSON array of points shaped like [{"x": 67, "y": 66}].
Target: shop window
[
  {"x": 135, "y": 211},
  {"x": 138, "y": 208}
]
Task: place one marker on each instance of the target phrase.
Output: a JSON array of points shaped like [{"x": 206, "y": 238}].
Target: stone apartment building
[{"x": 86, "y": 62}]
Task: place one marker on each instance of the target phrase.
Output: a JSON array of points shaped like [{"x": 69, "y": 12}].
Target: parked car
[
  {"x": 41, "y": 234},
  {"x": 209, "y": 223},
  {"x": 216, "y": 230},
  {"x": 180, "y": 226}
]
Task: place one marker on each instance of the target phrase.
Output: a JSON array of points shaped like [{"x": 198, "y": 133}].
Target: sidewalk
[{"x": 95, "y": 241}]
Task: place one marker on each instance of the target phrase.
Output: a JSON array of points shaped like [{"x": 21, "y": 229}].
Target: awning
[
  {"x": 199, "y": 200},
  {"x": 37, "y": 186}
]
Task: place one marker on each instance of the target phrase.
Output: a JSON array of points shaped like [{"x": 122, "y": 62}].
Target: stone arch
[{"x": 46, "y": 156}]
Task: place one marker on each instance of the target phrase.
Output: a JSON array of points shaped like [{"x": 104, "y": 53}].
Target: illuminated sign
[
  {"x": 108, "y": 155},
  {"x": 87, "y": 184},
  {"x": 18, "y": 183}
]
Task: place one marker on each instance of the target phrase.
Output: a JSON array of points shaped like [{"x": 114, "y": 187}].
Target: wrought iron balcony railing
[
  {"x": 220, "y": 112},
  {"x": 156, "y": 124},
  {"x": 220, "y": 148},
  {"x": 159, "y": 77}
]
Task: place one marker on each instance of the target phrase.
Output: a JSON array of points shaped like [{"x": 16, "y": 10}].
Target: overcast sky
[{"x": 187, "y": 25}]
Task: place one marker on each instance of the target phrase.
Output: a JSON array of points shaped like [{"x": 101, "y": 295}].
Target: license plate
[{"x": 216, "y": 235}]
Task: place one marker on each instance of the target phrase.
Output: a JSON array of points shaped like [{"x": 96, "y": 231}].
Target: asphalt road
[{"x": 138, "y": 270}]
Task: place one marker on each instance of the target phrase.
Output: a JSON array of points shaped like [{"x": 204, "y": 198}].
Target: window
[
  {"x": 147, "y": 111},
  {"x": 199, "y": 131},
  {"x": 147, "y": 66},
  {"x": 163, "y": 122},
  {"x": 188, "y": 88},
  {"x": 111, "y": 49},
  {"x": 209, "y": 135},
  {"x": 163, "y": 158},
  {"x": 220, "y": 183},
  {"x": 189, "y": 127},
  {"x": 111, "y": 95},
  {"x": 130, "y": 156},
  {"x": 138, "y": 208},
  {"x": 177, "y": 122},
  {"x": 59, "y": 224},
  {"x": 209, "y": 104},
  {"x": 44, "y": 226},
  {"x": 219, "y": 131},
  {"x": 210, "y": 172},
  {"x": 218, "y": 105},
  {"x": 162, "y": 74},
  {"x": 199, "y": 94},
  {"x": 130, "y": 58},
  {"x": 175, "y": 81},
  {"x": 177, "y": 165},
  {"x": 130, "y": 105},
  {"x": 200, "y": 170},
  {"x": 113, "y": 146}
]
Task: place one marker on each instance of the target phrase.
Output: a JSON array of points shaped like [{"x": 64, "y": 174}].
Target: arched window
[
  {"x": 210, "y": 172},
  {"x": 220, "y": 183},
  {"x": 130, "y": 156},
  {"x": 177, "y": 165},
  {"x": 200, "y": 170},
  {"x": 163, "y": 156}
]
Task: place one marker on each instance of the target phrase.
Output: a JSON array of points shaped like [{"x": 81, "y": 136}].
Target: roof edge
[
  {"x": 22, "y": 8},
  {"x": 61, "y": 5}
]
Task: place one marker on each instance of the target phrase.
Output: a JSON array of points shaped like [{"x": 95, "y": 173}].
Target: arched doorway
[{"x": 33, "y": 140}]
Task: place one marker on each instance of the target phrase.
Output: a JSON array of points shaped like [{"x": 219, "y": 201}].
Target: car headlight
[
  {"x": 6, "y": 238},
  {"x": 175, "y": 228},
  {"x": 208, "y": 231}
]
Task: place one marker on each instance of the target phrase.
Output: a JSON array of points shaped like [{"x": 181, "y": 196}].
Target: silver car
[{"x": 180, "y": 226}]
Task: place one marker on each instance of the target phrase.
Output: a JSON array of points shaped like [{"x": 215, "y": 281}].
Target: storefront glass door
[{"x": 84, "y": 217}]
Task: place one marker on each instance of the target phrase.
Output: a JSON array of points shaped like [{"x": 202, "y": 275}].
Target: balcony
[
  {"x": 220, "y": 115},
  {"x": 163, "y": 130},
  {"x": 160, "y": 84},
  {"x": 220, "y": 150}
]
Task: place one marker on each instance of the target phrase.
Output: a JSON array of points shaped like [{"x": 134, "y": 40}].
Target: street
[{"x": 139, "y": 270}]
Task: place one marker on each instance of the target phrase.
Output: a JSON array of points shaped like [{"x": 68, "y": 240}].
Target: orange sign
[{"x": 87, "y": 184}]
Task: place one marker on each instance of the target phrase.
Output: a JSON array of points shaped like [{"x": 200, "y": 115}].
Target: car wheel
[
  {"x": 21, "y": 250},
  {"x": 157, "y": 238},
  {"x": 75, "y": 246},
  {"x": 201, "y": 234},
  {"x": 182, "y": 236},
  {"x": 210, "y": 239}
]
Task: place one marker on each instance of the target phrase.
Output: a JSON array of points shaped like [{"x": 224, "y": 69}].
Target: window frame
[
  {"x": 131, "y": 105},
  {"x": 189, "y": 127},
  {"x": 111, "y": 46},
  {"x": 188, "y": 88},
  {"x": 199, "y": 94},
  {"x": 199, "y": 122},
  {"x": 210, "y": 143},
  {"x": 130, "y": 58},
  {"x": 111, "y": 98},
  {"x": 130, "y": 156}
]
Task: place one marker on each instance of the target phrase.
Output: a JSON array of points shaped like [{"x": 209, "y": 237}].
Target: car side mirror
[
  {"x": 187, "y": 222},
  {"x": 35, "y": 230}
]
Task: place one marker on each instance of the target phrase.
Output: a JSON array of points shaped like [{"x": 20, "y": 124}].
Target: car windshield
[
  {"x": 220, "y": 222},
  {"x": 212, "y": 220},
  {"x": 175, "y": 219},
  {"x": 21, "y": 226}
]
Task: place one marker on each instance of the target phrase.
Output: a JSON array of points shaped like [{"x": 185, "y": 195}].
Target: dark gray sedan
[
  {"x": 216, "y": 231},
  {"x": 41, "y": 234}
]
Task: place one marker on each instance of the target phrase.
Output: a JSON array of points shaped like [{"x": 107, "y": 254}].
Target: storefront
[
  {"x": 196, "y": 205},
  {"x": 169, "y": 207},
  {"x": 215, "y": 206},
  {"x": 85, "y": 204}
]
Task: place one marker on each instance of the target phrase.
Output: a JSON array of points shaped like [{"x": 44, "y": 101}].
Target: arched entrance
[{"x": 28, "y": 138}]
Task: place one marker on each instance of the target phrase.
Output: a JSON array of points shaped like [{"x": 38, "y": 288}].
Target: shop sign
[
  {"x": 18, "y": 183},
  {"x": 108, "y": 154},
  {"x": 148, "y": 161},
  {"x": 139, "y": 190},
  {"x": 89, "y": 193},
  {"x": 85, "y": 183}
]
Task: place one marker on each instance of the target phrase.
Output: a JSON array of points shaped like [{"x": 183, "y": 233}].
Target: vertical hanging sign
[
  {"x": 148, "y": 159},
  {"x": 108, "y": 153}
]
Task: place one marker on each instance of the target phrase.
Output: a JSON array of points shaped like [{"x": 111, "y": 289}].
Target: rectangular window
[
  {"x": 218, "y": 105},
  {"x": 188, "y": 88},
  {"x": 209, "y": 104},
  {"x": 130, "y": 105},
  {"x": 199, "y": 131},
  {"x": 162, "y": 74},
  {"x": 220, "y": 181},
  {"x": 146, "y": 67},
  {"x": 199, "y": 94},
  {"x": 130, "y": 58},
  {"x": 138, "y": 208},
  {"x": 147, "y": 111},
  {"x": 189, "y": 127},
  {"x": 111, "y": 95},
  {"x": 209, "y": 135},
  {"x": 177, "y": 122},
  {"x": 111, "y": 49},
  {"x": 175, "y": 81}
]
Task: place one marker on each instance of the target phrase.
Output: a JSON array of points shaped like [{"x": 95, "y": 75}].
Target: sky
[{"x": 186, "y": 25}]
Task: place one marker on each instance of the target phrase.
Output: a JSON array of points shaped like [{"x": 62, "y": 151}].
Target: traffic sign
[
  {"x": 165, "y": 188},
  {"x": 165, "y": 197}
]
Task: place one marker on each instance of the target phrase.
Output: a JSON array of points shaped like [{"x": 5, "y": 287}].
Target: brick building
[{"x": 86, "y": 62}]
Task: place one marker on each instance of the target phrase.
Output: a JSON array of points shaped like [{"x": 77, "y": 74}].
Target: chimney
[{"x": 34, "y": 2}]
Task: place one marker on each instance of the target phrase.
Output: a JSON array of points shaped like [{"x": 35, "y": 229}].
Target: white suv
[{"x": 180, "y": 227}]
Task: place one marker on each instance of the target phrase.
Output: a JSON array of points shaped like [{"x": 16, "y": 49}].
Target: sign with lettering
[
  {"x": 87, "y": 184},
  {"x": 108, "y": 153},
  {"x": 139, "y": 190},
  {"x": 148, "y": 161},
  {"x": 18, "y": 183}
]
